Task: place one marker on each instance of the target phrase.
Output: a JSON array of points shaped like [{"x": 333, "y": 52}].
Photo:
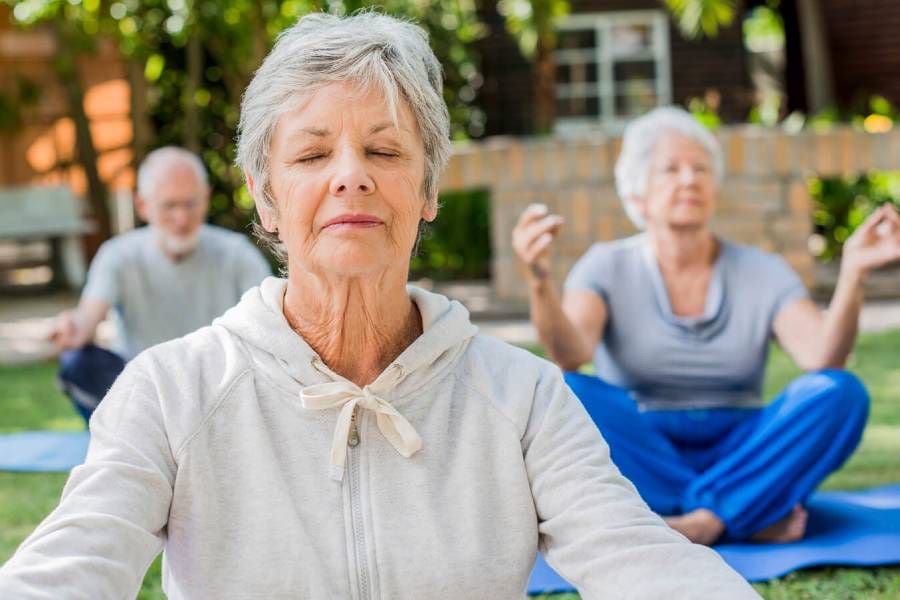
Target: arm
[
  {"x": 111, "y": 520},
  {"x": 817, "y": 341},
  {"x": 76, "y": 328},
  {"x": 594, "y": 529},
  {"x": 569, "y": 328}
]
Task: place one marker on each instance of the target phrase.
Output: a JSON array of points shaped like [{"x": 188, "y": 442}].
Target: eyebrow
[
  {"x": 315, "y": 131},
  {"x": 322, "y": 132},
  {"x": 385, "y": 125}
]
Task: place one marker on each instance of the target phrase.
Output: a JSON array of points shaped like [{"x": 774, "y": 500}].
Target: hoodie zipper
[
  {"x": 362, "y": 569},
  {"x": 353, "y": 438}
]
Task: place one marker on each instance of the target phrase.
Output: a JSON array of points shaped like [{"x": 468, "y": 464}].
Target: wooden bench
[{"x": 49, "y": 214}]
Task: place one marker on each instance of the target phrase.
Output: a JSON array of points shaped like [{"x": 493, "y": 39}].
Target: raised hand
[
  {"x": 532, "y": 237},
  {"x": 874, "y": 244}
]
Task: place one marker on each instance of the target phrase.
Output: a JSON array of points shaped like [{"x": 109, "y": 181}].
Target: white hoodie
[{"x": 203, "y": 448}]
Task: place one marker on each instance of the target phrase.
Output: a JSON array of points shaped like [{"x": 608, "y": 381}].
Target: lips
[{"x": 354, "y": 220}]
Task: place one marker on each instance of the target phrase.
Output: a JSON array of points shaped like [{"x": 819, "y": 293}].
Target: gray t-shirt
[
  {"x": 672, "y": 362},
  {"x": 156, "y": 299}
]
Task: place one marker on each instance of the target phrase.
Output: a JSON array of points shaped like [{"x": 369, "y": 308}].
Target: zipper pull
[{"x": 353, "y": 438}]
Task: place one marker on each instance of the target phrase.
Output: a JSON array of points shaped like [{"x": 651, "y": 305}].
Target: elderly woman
[
  {"x": 678, "y": 322},
  {"x": 339, "y": 434}
]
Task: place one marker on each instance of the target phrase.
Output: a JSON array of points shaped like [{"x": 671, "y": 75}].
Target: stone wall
[{"x": 764, "y": 199}]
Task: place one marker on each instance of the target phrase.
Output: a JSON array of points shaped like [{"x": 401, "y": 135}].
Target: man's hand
[{"x": 69, "y": 331}]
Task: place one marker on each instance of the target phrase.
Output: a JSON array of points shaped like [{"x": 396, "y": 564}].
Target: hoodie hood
[{"x": 259, "y": 323}]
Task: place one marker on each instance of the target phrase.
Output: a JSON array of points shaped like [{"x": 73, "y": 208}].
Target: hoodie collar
[{"x": 258, "y": 321}]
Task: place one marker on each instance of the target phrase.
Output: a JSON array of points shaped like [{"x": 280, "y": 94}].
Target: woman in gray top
[{"x": 678, "y": 323}]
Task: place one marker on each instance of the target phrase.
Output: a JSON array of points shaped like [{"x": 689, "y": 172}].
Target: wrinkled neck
[{"x": 357, "y": 325}]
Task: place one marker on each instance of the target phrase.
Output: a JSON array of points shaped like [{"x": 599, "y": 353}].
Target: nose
[
  {"x": 351, "y": 177},
  {"x": 687, "y": 175},
  {"x": 181, "y": 217}
]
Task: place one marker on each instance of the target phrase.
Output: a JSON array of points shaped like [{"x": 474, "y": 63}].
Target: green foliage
[
  {"x": 842, "y": 203},
  {"x": 764, "y": 28},
  {"x": 234, "y": 36},
  {"x": 869, "y": 113},
  {"x": 457, "y": 244},
  {"x": 532, "y": 20},
  {"x": 704, "y": 113},
  {"x": 698, "y": 18}
]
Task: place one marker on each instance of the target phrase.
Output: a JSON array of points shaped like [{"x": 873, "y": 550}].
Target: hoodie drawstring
[{"x": 347, "y": 396}]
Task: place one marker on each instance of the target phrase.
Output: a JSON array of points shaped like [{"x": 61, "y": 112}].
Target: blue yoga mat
[
  {"x": 43, "y": 451},
  {"x": 845, "y": 528}
]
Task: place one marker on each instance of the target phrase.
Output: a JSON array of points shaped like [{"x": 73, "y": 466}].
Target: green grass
[{"x": 30, "y": 400}]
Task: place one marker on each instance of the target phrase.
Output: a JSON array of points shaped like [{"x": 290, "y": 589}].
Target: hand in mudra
[
  {"x": 532, "y": 237},
  {"x": 875, "y": 243}
]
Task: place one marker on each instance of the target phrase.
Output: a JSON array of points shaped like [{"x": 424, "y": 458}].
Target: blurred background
[{"x": 88, "y": 87}]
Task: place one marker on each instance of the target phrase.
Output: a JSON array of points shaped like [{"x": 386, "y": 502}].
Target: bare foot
[
  {"x": 789, "y": 529},
  {"x": 701, "y": 526}
]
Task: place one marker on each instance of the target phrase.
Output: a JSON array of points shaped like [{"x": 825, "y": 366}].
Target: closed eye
[
  {"x": 310, "y": 158},
  {"x": 384, "y": 153}
]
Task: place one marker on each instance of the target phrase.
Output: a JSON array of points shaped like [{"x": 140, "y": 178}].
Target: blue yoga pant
[
  {"x": 748, "y": 466},
  {"x": 86, "y": 374}
]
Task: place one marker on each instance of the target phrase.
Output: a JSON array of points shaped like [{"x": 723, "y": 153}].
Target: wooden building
[{"x": 617, "y": 58}]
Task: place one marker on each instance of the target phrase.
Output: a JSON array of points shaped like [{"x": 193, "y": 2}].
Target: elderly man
[{"x": 163, "y": 281}]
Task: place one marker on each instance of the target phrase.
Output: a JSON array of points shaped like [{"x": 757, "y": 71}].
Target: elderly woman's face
[
  {"x": 681, "y": 187},
  {"x": 347, "y": 183}
]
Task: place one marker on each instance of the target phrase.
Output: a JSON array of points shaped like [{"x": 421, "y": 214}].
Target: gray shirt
[
  {"x": 672, "y": 362},
  {"x": 156, "y": 299}
]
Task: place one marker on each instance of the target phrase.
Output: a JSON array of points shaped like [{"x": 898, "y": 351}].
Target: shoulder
[
  {"x": 619, "y": 253},
  {"x": 606, "y": 261},
  {"x": 753, "y": 261},
  {"x": 508, "y": 378},
  {"x": 224, "y": 236},
  {"x": 190, "y": 376},
  {"x": 221, "y": 239},
  {"x": 127, "y": 243},
  {"x": 617, "y": 249},
  {"x": 122, "y": 249},
  {"x": 220, "y": 236}
]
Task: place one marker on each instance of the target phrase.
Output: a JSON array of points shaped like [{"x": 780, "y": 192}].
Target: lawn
[{"x": 30, "y": 400}]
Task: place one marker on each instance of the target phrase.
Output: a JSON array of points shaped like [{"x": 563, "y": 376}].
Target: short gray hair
[
  {"x": 150, "y": 171},
  {"x": 370, "y": 49},
  {"x": 641, "y": 136}
]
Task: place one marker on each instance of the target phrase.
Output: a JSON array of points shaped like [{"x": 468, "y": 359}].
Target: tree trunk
[
  {"x": 816, "y": 57},
  {"x": 194, "y": 81},
  {"x": 545, "y": 81},
  {"x": 84, "y": 141},
  {"x": 794, "y": 73},
  {"x": 141, "y": 127}
]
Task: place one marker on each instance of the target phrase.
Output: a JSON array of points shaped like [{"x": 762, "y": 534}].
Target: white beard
[{"x": 174, "y": 245}]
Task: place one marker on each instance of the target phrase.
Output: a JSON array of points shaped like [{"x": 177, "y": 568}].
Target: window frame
[{"x": 603, "y": 23}]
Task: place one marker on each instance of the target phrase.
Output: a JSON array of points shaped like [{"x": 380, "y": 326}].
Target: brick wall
[{"x": 764, "y": 199}]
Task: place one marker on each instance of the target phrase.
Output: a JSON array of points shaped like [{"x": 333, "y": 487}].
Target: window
[{"x": 611, "y": 67}]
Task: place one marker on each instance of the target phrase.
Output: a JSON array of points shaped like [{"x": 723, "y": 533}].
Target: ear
[
  {"x": 267, "y": 218},
  {"x": 140, "y": 205},
  {"x": 429, "y": 210},
  {"x": 266, "y": 214},
  {"x": 638, "y": 203}
]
